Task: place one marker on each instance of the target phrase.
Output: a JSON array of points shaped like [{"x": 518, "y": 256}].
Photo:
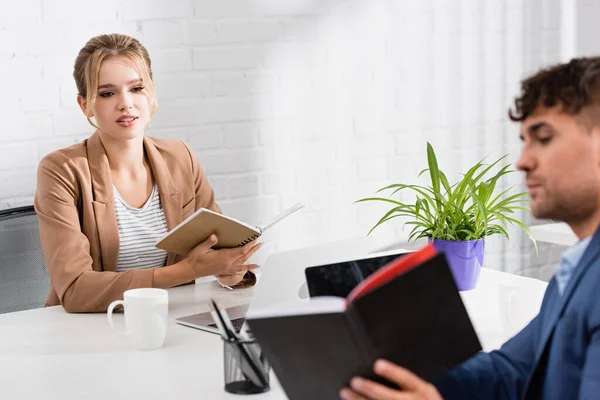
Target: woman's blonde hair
[{"x": 90, "y": 57}]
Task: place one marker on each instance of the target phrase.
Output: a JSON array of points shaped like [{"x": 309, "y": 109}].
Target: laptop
[
  {"x": 338, "y": 279},
  {"x": 282, "y": 279}
]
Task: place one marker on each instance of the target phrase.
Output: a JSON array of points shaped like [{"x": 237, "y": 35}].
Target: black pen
[{"x": 215, "y": 312}]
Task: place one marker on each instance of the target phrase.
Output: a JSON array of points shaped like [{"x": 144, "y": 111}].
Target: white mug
[
  {"x": 519, "y": 304},
  {"x": 145, "y": 317}
]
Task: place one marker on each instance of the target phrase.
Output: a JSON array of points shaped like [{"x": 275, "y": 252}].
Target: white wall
[
  {"x": 587, "y": 27},
  {"x": 287, "y": 100}
]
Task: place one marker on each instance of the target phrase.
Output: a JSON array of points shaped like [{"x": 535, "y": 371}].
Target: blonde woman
[{"x": 103, "y": 203}]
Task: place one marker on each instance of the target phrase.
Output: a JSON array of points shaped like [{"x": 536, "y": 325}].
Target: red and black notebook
[{"x": 409, "y": 312}]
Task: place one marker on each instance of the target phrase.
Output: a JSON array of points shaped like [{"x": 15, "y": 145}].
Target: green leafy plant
[{"x": 469, "y": 209}]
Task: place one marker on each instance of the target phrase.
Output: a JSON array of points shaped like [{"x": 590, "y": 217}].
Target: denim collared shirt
[{"x": 570, "y": 259}]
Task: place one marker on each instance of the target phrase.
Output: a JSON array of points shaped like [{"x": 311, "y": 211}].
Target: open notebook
[
  {"x": 409, "y": 312},
  {"x": 231, "y": 232}
]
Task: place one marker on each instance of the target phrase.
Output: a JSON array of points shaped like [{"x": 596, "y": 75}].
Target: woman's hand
[
  {"x": 413, "y": 387},
  {"x": 231, "y": 279},
  {"x": 203, "y": 260}
]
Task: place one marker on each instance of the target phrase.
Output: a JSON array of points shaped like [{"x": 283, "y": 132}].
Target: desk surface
[
  {"x": 47, "y": 353},
  {"x": 557, "y": 233}
]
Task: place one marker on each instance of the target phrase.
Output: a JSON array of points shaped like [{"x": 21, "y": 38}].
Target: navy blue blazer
[{"x": 556, "y": 356}]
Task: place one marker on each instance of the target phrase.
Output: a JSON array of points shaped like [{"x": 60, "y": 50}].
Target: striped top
[{"x": 139, "y": 230}]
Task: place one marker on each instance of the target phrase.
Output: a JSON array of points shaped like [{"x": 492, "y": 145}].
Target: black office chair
[{"x": 24, "y": 280}]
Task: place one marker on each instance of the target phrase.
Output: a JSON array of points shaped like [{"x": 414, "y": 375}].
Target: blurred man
[{"x": 557, "y": 356}]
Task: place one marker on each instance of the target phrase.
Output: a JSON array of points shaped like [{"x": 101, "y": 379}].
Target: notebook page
[{"x": 281, "y": 216}]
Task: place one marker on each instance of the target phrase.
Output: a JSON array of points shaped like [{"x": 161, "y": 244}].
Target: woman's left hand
[{"x": 231, "y": 279}]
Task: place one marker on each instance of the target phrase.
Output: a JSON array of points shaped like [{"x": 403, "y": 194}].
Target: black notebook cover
[{"x": 416, "y": 320}]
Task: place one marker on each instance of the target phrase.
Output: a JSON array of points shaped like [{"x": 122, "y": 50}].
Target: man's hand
[{"x": 413, "y": 387}]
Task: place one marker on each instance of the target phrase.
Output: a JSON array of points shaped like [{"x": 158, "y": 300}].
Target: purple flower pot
[{"x": 465, "y": 258}]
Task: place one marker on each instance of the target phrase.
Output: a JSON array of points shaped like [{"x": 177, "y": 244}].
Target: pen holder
[{"x": 245, "y": 373}]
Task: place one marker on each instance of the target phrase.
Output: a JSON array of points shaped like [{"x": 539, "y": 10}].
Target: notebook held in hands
[{"x": 231, "y": 232}]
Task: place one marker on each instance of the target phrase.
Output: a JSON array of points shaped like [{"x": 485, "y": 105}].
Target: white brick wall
[
  {"x": 587, "y": 27},
  {"x": 319, "y": 101}
]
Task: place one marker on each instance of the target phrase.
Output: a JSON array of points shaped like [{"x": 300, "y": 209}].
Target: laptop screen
[{"x": 338, "y": 279}]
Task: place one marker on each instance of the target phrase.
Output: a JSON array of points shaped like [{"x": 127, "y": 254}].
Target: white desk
[
  {"x": 557, "y": 233},
  {"x": 49, "y": 354}
]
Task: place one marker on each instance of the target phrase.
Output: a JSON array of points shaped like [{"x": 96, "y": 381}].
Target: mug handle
[{"x": 109, "y": 314}]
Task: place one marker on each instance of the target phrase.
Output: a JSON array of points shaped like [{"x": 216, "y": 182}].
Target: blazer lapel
[
  {"x": 170, "y": 196},
  {"x": 103, "y": 203},
  {"x": 559, "y": 302}
]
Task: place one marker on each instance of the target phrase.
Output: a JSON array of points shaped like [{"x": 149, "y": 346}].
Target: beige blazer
[{"x": 74, "y": 202}]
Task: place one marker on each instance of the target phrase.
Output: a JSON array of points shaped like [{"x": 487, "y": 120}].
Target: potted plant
[{"x": 458, "y": 217}]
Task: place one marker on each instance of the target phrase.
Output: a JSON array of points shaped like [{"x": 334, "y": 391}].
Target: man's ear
[{"x": 82, "y": 104}]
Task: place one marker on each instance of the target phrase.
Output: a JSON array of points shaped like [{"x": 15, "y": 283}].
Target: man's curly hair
[{"x": 574, "y": 86}]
